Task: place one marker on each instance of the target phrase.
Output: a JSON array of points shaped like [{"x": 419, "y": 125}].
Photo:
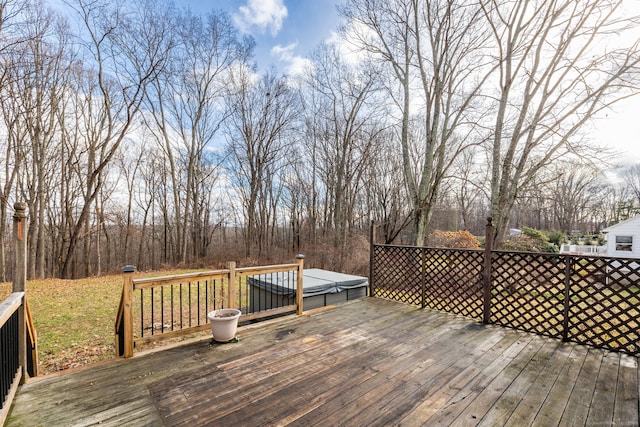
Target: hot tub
[{"x": 319, "y": 288}]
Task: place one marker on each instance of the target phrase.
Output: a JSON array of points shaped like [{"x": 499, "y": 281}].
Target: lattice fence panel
[
  {"x": 396, "y": 273},
  {"x": 528, "y": 292},
  {"x": 600, "y": 307},
  {"x": 605, "y": 303},
  {"x": 454, "y": 281}
]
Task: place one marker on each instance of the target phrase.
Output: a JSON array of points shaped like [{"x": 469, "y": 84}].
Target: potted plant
[{"x": 224, "y": 323}]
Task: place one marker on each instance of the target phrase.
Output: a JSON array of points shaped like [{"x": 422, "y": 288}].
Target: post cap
[
  {"x": 299, "y": 256},
  {"x": 128, "y": 268},
  {"x": 20, "y": 209}
]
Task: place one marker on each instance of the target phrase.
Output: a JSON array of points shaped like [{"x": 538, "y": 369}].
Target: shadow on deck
[{"x": 366, "y": 362}]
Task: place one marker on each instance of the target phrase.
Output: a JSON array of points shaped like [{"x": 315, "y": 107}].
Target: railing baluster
[
  {"x": 206, "y": 297},
  {"x": 162, "y": 309},
  {"x": 142, "y": 312},
  {"x": 172, "y": 310},
  {"x": 181, "y": 324},
  {"x": 273, "y": 289},
  {"x": 152, "y": 312}
]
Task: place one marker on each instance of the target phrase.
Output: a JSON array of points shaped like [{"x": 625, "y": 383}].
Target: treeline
[{"x": 141, "y": 133}]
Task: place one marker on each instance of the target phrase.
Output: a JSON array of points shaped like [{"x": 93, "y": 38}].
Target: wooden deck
[{"x": 367, "y": 362}]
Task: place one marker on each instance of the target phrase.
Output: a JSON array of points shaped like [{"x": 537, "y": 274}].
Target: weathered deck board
[{"x": 367, "y": 362}]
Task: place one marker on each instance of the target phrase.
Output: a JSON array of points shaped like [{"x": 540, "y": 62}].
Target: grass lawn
[{"x": 74, "y": 319}]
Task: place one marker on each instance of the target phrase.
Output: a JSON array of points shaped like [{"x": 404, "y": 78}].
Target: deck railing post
[
  {"x": 299, "y": 284},
  {"x": 488, "y": 251},
  {"x": 230, "y": 302},
  {"x": 372, "y": 242},
  {"x": 127, "y": 314},
  {"x": 20, "y": 279},
  {"x": 20, "y": 233},
  {"x": 568, "y": 270},
  {"x": 423, "y": 277}
]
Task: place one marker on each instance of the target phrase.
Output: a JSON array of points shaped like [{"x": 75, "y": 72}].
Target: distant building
[{"x": 623, "y": 238}]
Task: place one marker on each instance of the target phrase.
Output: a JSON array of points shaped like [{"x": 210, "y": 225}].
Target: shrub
[
  {"x": 531, "y": 240},
  {"x": 556, "y": 237},
  {"x": 521, "y": 243},
  {"x": 453, "y": 239}
]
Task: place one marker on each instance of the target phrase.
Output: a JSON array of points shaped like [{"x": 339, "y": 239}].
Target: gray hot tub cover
[{"x": 315, "y": 282}]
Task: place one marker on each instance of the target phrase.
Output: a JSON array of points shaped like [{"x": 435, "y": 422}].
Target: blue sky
[{"x": 285, "y": 30}]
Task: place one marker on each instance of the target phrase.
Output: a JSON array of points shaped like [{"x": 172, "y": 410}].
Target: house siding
[{"x": 630, "y": 227}]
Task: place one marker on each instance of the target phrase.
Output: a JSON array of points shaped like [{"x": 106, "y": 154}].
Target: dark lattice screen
[
  {"x": 589, "y": 300},
  {"x": 528, "y": 292},
  {"x": 443, "y": 279},
  {"x": 605, "y": 303},
  {"x": 454, "y": 281},
  {"x": 397, "y": 273}
]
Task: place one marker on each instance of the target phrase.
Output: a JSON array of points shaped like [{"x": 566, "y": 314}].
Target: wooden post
[
  {"x": 231, "y": 292},
  {"x": 127, "y": 304},
  {"x": 299, "y": 284},
  {"x": 568, "y": 270},
  {"x": 20, "y": 233},
  {"x": 423, "y": 277},
  {"x": 20, "y": 281},
  {"x": 488, "y": 250},
  {"x": 372, "y": 242}
]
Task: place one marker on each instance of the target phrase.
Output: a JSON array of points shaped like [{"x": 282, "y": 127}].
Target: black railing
[
  {"x": 18, "y": 350},
  {"x": 9, "y": 355},
  {"x": 262, "y": 292},
  {"x": 177, "y": 306}
]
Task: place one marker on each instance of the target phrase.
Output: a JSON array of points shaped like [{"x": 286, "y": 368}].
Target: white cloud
[
  {"x": 350, "y": 51},
  {"x": 294, "y": 65},
  {"x": 266, "y": 15}
]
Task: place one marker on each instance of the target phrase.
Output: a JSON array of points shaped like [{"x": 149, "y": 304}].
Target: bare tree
[
  {"x": 263, "y": 116},
  {"x": 557, "y": 68},
  {"x": 631, "y": 177},
  {"x": 126, "y": 46},
  {"x": 469, "y": 188},
  {"x": 348, "y": 117},
  {"x": 187, "y": 110},
  {"x": 573, "y": 193},
  {"x": 434, "y": 50},
  {"x": 388, "y": 200},
  {"x": 32, "y": 91},
  {"x": 38, "y": 93}
]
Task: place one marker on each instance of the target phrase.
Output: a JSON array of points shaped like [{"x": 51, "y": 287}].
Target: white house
[
  {"x": 623, "y": 241},
  {"x": 623, "y": 238}
]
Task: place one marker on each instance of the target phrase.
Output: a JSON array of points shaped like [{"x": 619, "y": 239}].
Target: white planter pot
[{"x": 224, "y": 323}]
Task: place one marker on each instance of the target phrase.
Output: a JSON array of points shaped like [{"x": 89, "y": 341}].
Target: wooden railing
[
  {"x": 18, "y": 349},
  {"x": 159, "y": 308},
  {"x": 18, "y": 343}
]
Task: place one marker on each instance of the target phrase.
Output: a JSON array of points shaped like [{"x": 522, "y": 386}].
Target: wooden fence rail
[
  {"x": 593, "y": 300},
  {"x": 158, "y": 308}
]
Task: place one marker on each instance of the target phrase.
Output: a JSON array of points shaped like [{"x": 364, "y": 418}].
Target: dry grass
[{"x": 74, "y": 319}]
